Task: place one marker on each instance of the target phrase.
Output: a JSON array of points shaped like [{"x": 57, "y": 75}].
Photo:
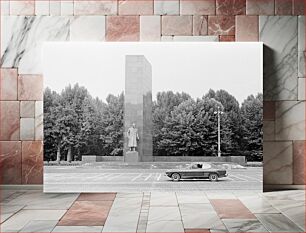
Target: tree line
[
  {"x": 77, "y": 124},
  {"x": 189, "y": 127}
]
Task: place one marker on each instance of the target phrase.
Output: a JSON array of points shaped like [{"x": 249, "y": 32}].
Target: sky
[{"x": 191, "y": 67}]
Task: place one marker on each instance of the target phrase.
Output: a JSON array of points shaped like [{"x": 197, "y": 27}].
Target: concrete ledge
[
  {"x": 91, "y": 158},
  {"x": 234, "y": 159},
  {"x": 225, "y": 159},
  {"x": 112, "y": 158},
  {"x": 96, "y": 158}
]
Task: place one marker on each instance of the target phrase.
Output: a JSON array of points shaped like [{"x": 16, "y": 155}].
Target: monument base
[
  {"x": 91, "y": 158},
  {"x": 131, "y": 157}
]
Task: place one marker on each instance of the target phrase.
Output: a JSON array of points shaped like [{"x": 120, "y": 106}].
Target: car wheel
[
  {"x": 213, "y": 177},
  {"x": 175, "y": 177}
]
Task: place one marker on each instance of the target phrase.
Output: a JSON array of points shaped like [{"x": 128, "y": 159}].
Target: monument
[{"x": 138, "y": 109}]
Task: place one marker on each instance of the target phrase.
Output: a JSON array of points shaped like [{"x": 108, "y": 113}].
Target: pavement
[
  {"x": 24, "y": 210},
  {"x": 135, "y": 179}
]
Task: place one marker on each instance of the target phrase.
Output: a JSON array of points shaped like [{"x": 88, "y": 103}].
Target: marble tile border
[
  {"x": 32, "y": 162},
  {"x": 247, "y": 28},
  {"x": 22, "y": 7},
  {"x": 42, "y": 7},
  {"x": 260, "y": 7},
  {"x": 27, "y": 129},
  {"x": 298, "y": 7},
  {"x": 290, "y": 120},
  {"x": 87, "y": 28},
  {"x": 9, "y": 121},
  {"x": 55, "y": 8},
  {"x": 135, "y": 7},
  {"x": 268, "y": 131},
  {"x": 166, "y": 7},
  {"x": 106, "y": 7},
  {"x": 197, "y": 29},
  {"x": 221, "y": 25},
  {"x": 230, "y": 7},
  {"x": 5, "y": 7},
  {"x": 150, "y": 28},
  {"x": 200, "y": 25},
  {"x": 27, "y": 109},
  {"x": 195, "y": 7},
  {"x": 67, "y": 7},
  {"x": 10, "y": 162},
  {"x": 278, "y": 160},
  {"x": 8, "y": 84},
  {"x": 150, "y": 7},
  {"x": 122, "y": 28},
  {"x": 177, "y": 25},
  {"x": 283, "y": 7},
  {"x": 280, "y": 37},
  {"x": 299, "y": 162}
]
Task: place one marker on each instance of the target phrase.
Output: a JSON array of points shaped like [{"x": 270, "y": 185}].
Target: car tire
[
  {"x": 175, "y": 177},
  {"x": 213, "y": 177}
]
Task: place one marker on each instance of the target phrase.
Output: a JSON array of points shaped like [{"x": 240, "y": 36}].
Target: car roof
[{"x": 201, "y": 163}]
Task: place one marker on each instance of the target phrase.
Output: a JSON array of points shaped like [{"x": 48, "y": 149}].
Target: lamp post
[{"x": 218, "y": 112}]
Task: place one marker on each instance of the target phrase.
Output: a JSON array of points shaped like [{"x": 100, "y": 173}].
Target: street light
[{"x": 218, "y": 112}]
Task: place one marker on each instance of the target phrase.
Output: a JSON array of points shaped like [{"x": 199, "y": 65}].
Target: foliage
[
  {"x": 112, "y": 125},
  {"x": 187, "y": 127},
  {"x": 252, "y": 137},
  {"x": 76, "y": 124}
]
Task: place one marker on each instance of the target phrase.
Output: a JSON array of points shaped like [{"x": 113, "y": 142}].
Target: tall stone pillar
[{"x": 138, "y": 104}]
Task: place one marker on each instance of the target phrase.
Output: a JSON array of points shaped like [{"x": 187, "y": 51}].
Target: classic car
[{"x": 198, "y": 171}]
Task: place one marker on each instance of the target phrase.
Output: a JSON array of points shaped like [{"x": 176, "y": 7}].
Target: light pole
[{"x": 218, "y": 112}]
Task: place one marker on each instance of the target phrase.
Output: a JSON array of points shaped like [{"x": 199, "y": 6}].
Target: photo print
[{"x": 126, "y": 116}]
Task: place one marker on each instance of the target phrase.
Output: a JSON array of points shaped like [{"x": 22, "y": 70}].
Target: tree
[
  {"x": 112, "y": 125},
  {"x": 191, "y": 129},
  {"x": 75, "y": 100},
  {"x": 70, "y": 122},
  {"x": 162, "y": 108},
  {"x": 77, "y": 124},
  {"x": 251, "y": 113},
  {"x": 94, "y": 144},
  {"x": 54, "y": 128}
]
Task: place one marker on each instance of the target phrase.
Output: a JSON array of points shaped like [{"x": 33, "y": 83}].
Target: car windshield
[{"x": 200, "y": 166}]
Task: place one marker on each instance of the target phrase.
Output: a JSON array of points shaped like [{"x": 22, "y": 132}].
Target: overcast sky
[{"x": 191, "y": 67}]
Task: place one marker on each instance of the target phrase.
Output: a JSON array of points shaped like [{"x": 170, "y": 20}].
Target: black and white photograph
[{"x": 125, "y": 116}]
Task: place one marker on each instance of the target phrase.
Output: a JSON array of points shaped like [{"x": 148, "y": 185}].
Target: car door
[
  {"x": 206, "y": 173},
  {"x": 206, "y": 170},
  {"x": 198, "y": 173},
  {"x": 195, "y": 172}
]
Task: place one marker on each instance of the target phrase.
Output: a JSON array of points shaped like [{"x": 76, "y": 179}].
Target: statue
[{"x": 132, "y": 135}]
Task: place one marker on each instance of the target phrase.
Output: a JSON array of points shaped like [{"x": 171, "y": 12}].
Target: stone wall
[
  {"x": 232, "y": 159},
  {"x": 278, "y": 23}
]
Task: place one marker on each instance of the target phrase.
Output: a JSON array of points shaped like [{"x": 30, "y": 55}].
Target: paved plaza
[
  {"x": 180, "y": 212},
  {"x": 87, "y": 178}
]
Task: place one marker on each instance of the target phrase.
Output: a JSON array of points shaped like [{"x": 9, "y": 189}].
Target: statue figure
[{"x": 132, "y": 135}]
